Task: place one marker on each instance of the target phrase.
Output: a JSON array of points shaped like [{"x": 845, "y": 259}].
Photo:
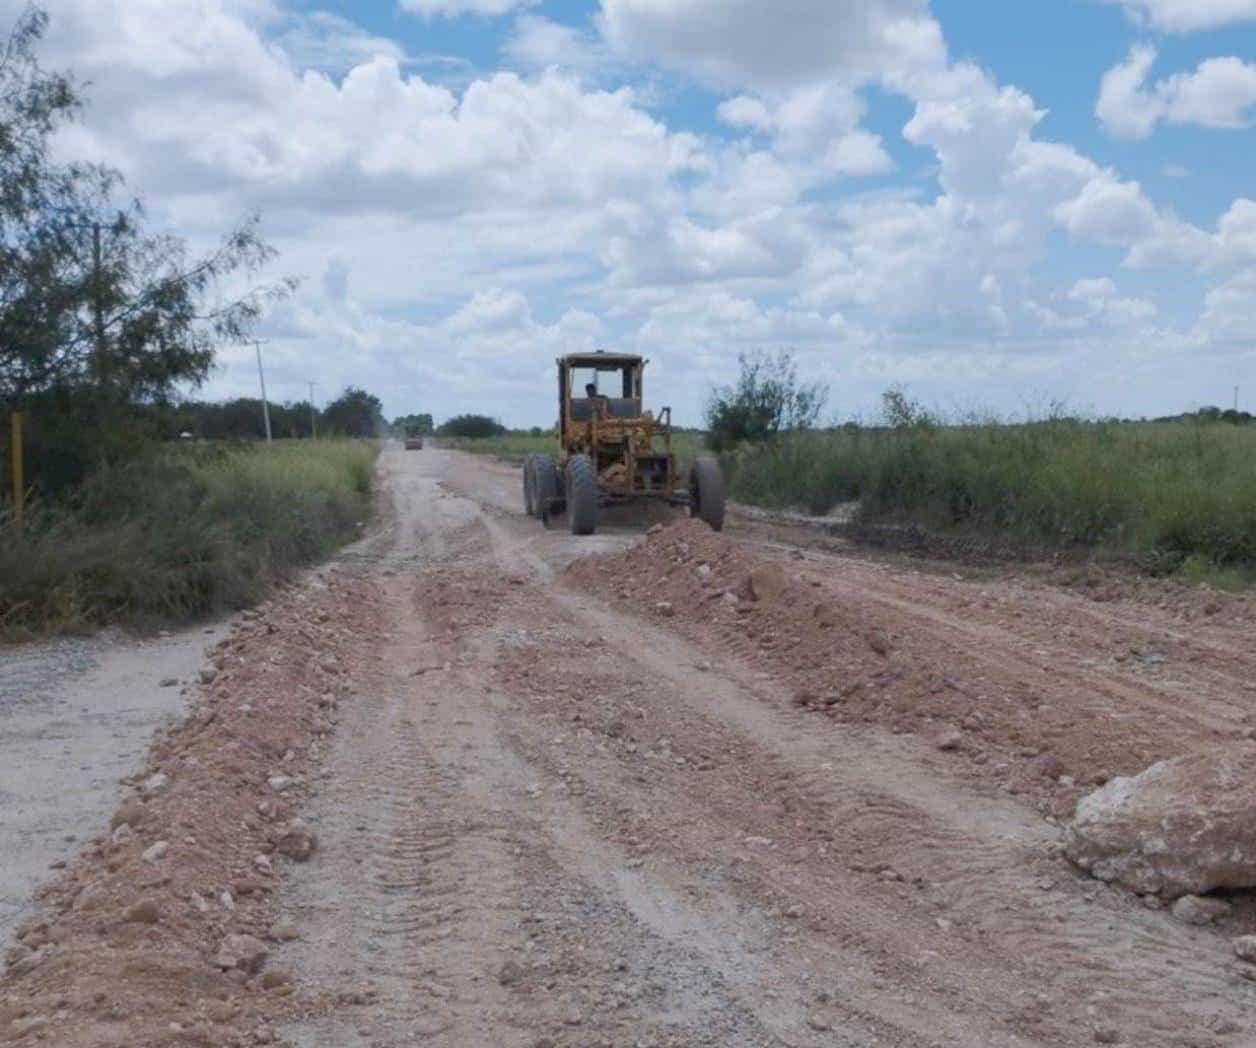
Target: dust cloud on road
[{"x": 517, "y": 788}]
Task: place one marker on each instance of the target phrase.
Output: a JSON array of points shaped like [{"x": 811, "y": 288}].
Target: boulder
[
  {"x": 243, "y": 952},
  {"x": 1191, "y": 909},
  {"x": 1182, "y": 827},
  {"x": 767, "y": 582},
  {"x": 297, "y": 842}
]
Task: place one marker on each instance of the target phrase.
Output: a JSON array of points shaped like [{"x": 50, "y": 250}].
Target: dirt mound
[
  {"x": 1182, "y": 826},
  {"x": 961, "y": 665},
  {"x": 767, "y": 605},
  {"x": 130, "y": 945}
]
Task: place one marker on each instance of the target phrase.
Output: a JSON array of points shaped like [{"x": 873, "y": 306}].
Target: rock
[
  {"x": 198, "y": 902},
  {"x": 36, "y": 1024},
  {"x": 122, "y": 834},
  {"x": 1245, "y": 948},
  {"x": 284, "y": 930},
  {"x": 879, "y": 641},
  {"x": 242, "y": 886},
  {"x": 1106, "y": 1035},
  {"x": 766, "y": 582},
  {"x": 1191, "y": 909},
  {"x": 242, "y": 952},
  {"x": 227, "y": 901},
  {"x": 825, "y": 615},
  {"x": 729, "y": 597},
  {"x": 280, "y": 783},
  {"x": 262, "y": 864},
  {"x": 155, "y": 852},
  {"x": 298, "y": 842},
  {"x": 276, "y": 980},
  {"x": 167, "y": 682},
  {"x": 208, "y": 675},
  {"x": 510, "y": 973},
  {"x": 133, "y": 813},
  {"x": 949, "y": 739},
  {"x": 1185, "y": 826},
  {"x": 146, "y": 911},
  {"x": 156, "y": 783},
  {"x": 665, "y": 608},
  {"x": 703, "y": 571}
]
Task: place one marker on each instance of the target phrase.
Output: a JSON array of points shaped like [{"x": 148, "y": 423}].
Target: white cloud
[
  {"x": 455, "y": 237},
  {"x": 536, "y": 42},
  {"x": 1185, "y": 16},
  {"x": 1218, "y": 94},
  {"x": 776, "y": 45},
  {"x": 814, "y": 127},
  {"x": 1230, "y": 311},
  {"x": 1094, "y": 303},
  {"x": 454, "y": 8}
]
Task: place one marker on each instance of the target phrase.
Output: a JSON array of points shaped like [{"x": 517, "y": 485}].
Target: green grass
[
  {"x": 513, "y": 447},
  {"x": 1182, "y": 495},
  {"x": 182, "y": 532}
]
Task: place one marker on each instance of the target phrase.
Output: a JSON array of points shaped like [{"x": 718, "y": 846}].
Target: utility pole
[
  {"x": 313, "y": 414},
  {"x": 1236, "y": 400},
  {"x": 261, "y": 377}
]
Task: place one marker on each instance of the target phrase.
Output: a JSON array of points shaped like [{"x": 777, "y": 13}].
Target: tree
[
  {"x": 471, "y": 426},
  {"x": 767, "y": 399},
  {"x": 413, "y": 425},
  {"x": 89, "y": 299},
  {"x": 355, "y": 413}
]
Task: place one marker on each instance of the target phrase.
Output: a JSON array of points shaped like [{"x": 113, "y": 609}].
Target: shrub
[
  {"x": 767, "y": 399},
  {"x": 472, "y": 426}
]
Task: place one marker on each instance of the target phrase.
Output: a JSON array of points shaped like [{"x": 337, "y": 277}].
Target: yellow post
[{"x": 19, "y": 479}]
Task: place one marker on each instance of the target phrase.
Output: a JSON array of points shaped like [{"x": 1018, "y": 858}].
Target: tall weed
[{"x": 181, "y": 533}]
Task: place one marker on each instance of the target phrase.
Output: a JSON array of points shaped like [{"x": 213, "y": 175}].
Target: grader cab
[{"x": 612, "y": 451}]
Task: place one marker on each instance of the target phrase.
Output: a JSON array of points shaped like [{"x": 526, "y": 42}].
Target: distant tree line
[{"x": 355, "y": 413}]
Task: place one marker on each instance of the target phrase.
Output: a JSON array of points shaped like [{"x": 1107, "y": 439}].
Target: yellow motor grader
[{"x": 611, "y": 451}]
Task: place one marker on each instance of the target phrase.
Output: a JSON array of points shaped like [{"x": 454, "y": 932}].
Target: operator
[{"x": 601, "y": 403}]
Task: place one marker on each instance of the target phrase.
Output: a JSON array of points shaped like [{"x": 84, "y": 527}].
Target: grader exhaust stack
[{"x": 612, "y": 451}]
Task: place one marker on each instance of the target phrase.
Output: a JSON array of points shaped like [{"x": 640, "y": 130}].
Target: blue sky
[{"x": 992, "y": 204}]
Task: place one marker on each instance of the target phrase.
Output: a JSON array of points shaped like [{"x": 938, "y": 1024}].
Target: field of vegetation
[
  {"x": 1181, "y": 495},
  {"x": 181, "y": 532}
]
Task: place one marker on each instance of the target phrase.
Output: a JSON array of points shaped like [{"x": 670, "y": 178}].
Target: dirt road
[{"x": 607, "y": 800}]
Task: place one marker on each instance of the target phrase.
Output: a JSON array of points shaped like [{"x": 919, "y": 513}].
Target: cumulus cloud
[
  {"x": 455, "y": 237},
  {"x": 1185, "y": 16},
  {"x": 1220, "y": 94},
  {"x": 816, "y": 127},
  {"x": 779, "y": 44}
]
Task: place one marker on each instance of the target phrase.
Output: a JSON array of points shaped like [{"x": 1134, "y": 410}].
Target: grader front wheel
[{"x": 582, "y": 496}]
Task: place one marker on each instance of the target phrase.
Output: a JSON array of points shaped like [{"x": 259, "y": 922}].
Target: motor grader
[{"x": 611, "y": 451}]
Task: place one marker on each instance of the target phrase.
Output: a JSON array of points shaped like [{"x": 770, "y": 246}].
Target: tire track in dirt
[{"x": 478, "y": 919}]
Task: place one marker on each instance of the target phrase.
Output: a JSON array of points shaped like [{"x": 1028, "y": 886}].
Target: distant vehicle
[
  {"x": 610, "y": 451},
  {"x": 414, "y": 443}
]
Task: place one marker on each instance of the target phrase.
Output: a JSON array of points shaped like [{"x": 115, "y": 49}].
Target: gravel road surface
[{"x": 661, "y": 789}]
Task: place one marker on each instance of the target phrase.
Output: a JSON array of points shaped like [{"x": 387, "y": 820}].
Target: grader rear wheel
[
  {"x": 706, "y": 491},
  {"x": 546, "y": 486},
  {"x": 529, "y": 486}
]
